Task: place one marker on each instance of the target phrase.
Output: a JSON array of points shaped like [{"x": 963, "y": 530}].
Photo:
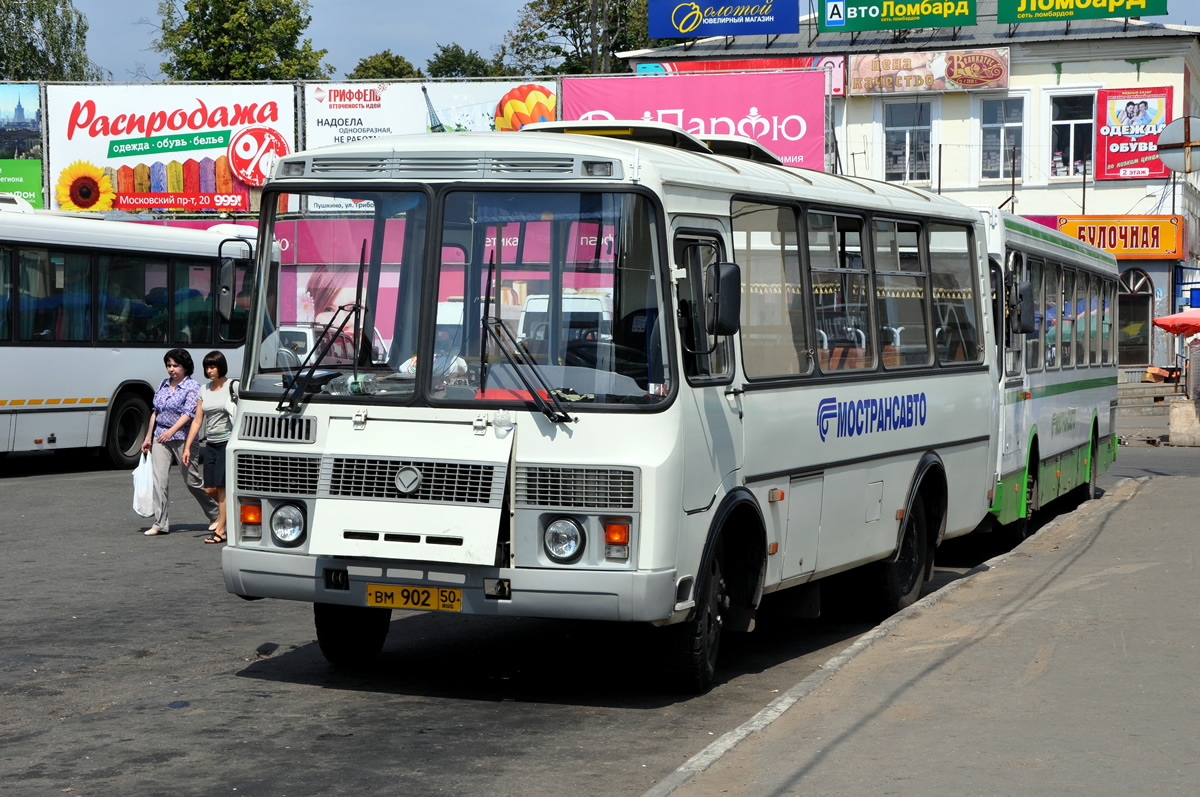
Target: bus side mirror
[
  {"x": 1020, "y": 315},
  {"x": 723, "y": 302},
  {"x": 225, "y": 289}
]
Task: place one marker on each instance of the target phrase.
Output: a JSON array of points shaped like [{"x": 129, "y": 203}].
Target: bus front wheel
[
  {"x": 350, "y": 636},
  {"x": 127, "y": 424},
  {"x": 697, "y": 640}
]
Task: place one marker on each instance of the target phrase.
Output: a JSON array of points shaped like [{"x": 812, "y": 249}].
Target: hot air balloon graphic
[{"x": 525, "y": 105}]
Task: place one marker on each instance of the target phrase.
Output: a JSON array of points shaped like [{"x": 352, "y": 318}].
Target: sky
[
  {"x": 353, "y": 29},
  {"x": 349, "y": 29}
]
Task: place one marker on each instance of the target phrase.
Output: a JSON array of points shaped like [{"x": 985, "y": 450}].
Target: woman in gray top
[{"x": 214, "y": 413}]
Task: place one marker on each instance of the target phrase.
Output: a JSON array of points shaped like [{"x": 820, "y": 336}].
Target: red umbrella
[{"x": 1185, "y": 323}]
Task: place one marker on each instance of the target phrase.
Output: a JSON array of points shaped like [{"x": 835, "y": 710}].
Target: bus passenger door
[{"x": 712, "y": 430}]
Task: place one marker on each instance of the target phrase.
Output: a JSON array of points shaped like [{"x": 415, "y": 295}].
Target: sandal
[{"x": 214, "y": 539}]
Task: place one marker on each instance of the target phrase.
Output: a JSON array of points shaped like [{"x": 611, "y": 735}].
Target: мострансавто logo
[{"x": 871, "y": 415}]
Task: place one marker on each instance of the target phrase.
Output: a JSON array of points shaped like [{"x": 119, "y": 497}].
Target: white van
[{"x": 584, "y": 317}]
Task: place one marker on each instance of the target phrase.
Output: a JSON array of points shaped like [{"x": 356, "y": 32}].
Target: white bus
[
  {"x": 1059, "y": 386},
  {"x": 796, "y": 378},
  {"x": 88, "y": 308}
]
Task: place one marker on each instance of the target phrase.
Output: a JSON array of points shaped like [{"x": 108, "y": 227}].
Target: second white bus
[{"x": 88, "y": 308}]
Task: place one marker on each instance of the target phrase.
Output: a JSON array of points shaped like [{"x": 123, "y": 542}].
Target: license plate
[{"x": 429, "y": 599}]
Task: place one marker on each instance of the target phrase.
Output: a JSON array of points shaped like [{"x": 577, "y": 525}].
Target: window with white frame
[
  {"x": 906, "y": 130},
  {"x": 1001, "y": 122},
  {"x": 1071, "y": 134}
]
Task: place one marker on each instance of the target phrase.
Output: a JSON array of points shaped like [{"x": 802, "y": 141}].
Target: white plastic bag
[{"x": 143, "y": 487}]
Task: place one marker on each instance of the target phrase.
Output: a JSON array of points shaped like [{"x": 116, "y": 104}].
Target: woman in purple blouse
[{"x": 174, "y": 407}]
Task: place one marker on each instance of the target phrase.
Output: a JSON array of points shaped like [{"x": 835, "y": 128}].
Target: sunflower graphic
[{"x": 82, "y": 186}]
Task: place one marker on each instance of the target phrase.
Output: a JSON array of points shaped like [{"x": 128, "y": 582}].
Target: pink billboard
[{"x": 783, "y": 111}]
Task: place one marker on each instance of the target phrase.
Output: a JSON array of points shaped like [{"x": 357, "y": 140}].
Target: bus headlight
[
  {"x": 563, "y": 540},
  {"x": 287, "y": 525}
]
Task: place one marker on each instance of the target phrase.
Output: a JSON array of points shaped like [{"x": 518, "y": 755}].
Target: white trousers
[{"x": 162, "y": 456}]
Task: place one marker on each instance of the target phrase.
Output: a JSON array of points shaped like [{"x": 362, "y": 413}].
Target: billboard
[
  {"x": 192, "y": 148},
  {"x": 335, "y": 113},
  {"x": 21, "y": 142},
  {"x": 1012, "y": 11},
  {"x": 1130, "y": 237},
  {"x": 847, "y": 16},
  {"x": 1128, "y": 122},
  {"x": 931, "y": 70},
  {"x": 835, "y": 65},
  {"x": 783, "y": 111},
  {"x": 674, "y": 19}
]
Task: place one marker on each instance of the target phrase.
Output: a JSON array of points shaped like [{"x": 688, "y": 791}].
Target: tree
[
  {"x": 451, "y": 60},
  {"x": 44, "y": 40},
  {"x": 238, "y": 40},
  {"x": 575, "y": 36},
  {"x": 384, "y": 66}
]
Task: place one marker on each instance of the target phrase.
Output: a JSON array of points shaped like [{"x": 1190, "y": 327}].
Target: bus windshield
[{"x": 541, "y": 297}]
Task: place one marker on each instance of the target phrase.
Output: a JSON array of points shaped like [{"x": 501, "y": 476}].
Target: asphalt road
[{"x": 125, "y": 668}]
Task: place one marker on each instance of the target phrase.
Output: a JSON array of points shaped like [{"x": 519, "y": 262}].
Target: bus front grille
[
  {"x": 441, "y": 482},
  {"x": 277, "y": 474},
  {"x": 278, "y": 428},
  {"x": 577, "y": 488}
]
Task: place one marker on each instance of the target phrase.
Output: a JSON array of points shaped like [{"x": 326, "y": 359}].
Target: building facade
[{"x": 1056, "y": 121}]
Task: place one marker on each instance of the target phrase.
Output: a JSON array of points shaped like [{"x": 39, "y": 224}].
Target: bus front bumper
[{"x": 566, "y": 594}]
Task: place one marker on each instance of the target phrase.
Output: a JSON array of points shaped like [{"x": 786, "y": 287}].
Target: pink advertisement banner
[
  {"x": 1128, "y": 122},
  {"x": 783, "y": 111}
]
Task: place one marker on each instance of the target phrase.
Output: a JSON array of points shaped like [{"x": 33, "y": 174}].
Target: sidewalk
[{"x": 1068, "y": 666}]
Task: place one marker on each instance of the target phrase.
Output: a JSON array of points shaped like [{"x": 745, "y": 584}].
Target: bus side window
[
  {"x": 5, "y": 295},
  {"x": 193, "y": 302},
  {"x": 132, "y": 299},
  {"x": 1034, "y": 340},
  {"x": 774, "y": 321},
  {"x": 901, "y": 290},
  {"x": 1066, "y": 308},
  {"x": 694, "y": 254},
  {"x": 846, "y": 337},
  {"x": 55, "y": 295},
  {"x": 955, "y": 307},
  {"x": 1052, "y": 281}
]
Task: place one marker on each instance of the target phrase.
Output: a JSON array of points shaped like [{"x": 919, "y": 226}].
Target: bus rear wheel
[
  {"x": 127, "y": 424},
  {"x": 1088, "y": 488},
  {"x": 350, "y": 637},
  {"x": 902, "y": 577}
]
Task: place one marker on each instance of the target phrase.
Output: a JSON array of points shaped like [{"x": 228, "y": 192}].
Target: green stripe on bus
[
  {"x": 1013, "y": 396},
  {"x": 1068, "y": 243}
]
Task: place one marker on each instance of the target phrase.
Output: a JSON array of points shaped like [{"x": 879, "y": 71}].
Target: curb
[{"x": 777, "y": 707}]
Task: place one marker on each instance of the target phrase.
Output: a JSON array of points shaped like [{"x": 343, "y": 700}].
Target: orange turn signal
[
  {"x": 250, "y": 512},
  {"x": 616, "y": 532}
]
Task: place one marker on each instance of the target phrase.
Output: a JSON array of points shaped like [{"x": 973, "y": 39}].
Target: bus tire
[
  {"x": 1019, "y": 529},
  {"x": 903, "y": 576},
  {"x": 350, "y": 637},
  {"x": 697, "y": 640},
  {"x": 128, "y": 422},
  {"x": 1088, "y": 488}
]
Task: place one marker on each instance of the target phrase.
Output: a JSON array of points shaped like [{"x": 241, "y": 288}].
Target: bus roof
[
  {"x": 1006, "y": 227},
  {"x": 553, "y": 156},
  {"x": 44, "y": 226}
]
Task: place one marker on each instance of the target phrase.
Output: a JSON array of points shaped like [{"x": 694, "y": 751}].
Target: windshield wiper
[
  {"x": 519, "y": 359},
  {"x": 289, "y": 401}
]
